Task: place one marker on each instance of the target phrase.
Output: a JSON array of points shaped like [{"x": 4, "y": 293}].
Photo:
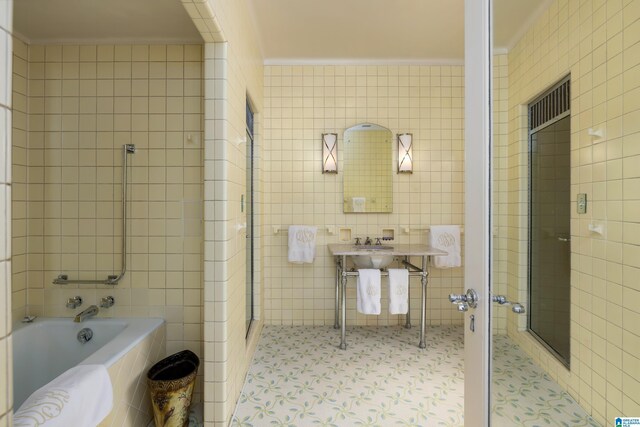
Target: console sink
[
  {"x": 372, "y": 260},
  {"x": 380, "y": 256},
  {"x": 373, "y": 248}
]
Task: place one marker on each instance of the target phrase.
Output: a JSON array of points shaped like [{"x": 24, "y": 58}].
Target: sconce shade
[
  {"x": 405, "y": 153},
  {"x": 329, "y": 153}
]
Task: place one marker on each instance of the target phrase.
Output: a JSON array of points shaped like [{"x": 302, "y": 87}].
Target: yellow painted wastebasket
[{"x": 171, "y": 382}]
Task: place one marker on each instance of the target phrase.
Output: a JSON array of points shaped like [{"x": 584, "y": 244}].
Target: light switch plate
[{"x": 582, "y": 203}]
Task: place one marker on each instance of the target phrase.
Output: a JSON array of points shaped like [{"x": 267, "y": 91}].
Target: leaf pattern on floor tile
[
  {"x": 299, "y": 377},
  {"x": 524, "y": 395}
]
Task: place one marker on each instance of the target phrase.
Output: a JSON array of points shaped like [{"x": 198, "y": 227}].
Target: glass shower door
[
  {"x": 549, "y": 231},
  {"x": 249, "y": 202}
]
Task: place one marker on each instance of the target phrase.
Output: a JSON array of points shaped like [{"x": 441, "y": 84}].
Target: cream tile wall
[
  {"x": 132, "y": 401},
  {"x": 500, "y": 205},
  {"x": 597, "y": 42},
  {"x": 6, "y": 365},
  {"x": 225, "y": 246},
  {"x": 85, "y": 102},
  {"x": 301, "y": 103},
  {"x": 233, "y": 72}
]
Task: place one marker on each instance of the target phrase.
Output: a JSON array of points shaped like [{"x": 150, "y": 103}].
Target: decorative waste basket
[{"x": 171, "y": 382}]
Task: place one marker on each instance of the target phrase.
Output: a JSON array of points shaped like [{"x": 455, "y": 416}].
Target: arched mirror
[{"x": 368, "y": 181}]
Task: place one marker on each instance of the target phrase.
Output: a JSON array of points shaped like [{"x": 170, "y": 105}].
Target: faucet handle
[
  {"x": 357, "y": 241},
  {"x": 107, "y": 302},
  {"x": 74, "y": 302},
  {"x": 378, "y": 242}
]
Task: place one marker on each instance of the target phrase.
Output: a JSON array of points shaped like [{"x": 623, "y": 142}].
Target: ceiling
[
  {"x": 109, "y": 21},
  {"x": 410, "y": 31},
  {"x": 322, "y": 31}
]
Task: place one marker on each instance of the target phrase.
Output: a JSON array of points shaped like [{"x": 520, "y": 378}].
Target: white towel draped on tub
[
  {"x": 302, "y": 243},
  {"x": 368, "y": 291},
  {"x": 446, "y": 238},
  {"x": 80, "y": 397},
  {"x": 398, "y": 290}
]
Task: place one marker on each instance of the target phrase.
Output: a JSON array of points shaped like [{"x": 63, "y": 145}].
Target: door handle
[
  {"x": 465, "y": 301},
  {"x": 516, "y": 307},
  {"x": 564, "y": 239}
]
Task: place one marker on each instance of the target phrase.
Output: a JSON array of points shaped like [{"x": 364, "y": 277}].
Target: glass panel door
[
  {"x": 249, "y": 200},
  {"x": 550, "y": 237},
  {"x": 477, "y": 213}
]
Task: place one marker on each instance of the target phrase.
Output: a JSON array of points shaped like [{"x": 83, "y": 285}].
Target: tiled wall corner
[
  {"x": 227, "y": 351},
  {"x": 597, "y": 42},
  {"x": 19, "y": 172},
  {"x": 6, "y": 365},
  {"x": 215, "y": 277}
]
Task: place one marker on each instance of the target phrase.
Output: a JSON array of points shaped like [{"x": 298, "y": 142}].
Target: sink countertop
[{"x": 398, "y": 250}]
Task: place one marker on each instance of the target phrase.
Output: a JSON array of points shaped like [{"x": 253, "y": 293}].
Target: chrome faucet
[
  {"x": 90, "y": 311},
  {"x": 74, "y": 302},
  {"x": 107, "y": 302},
  {"x": 368, "y": 241}
]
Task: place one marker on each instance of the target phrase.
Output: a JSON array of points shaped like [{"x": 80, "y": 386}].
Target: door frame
[{"x": 477, "y": 218}]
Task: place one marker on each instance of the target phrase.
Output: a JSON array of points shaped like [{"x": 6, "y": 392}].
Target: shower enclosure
[{"x": 549, "y": 215}]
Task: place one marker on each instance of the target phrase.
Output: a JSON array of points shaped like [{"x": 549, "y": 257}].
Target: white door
[{"x": 477, "y": 203}]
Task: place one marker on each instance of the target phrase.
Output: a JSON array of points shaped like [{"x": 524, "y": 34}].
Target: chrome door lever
[
  {"x": 516, "y": 307},
  {"x": 465, "y": 301}
]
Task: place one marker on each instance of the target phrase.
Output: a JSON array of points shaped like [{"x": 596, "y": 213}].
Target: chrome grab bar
[{"x": 112, "y": 279}]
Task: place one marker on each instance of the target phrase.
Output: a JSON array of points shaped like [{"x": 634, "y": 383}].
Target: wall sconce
[
  {"x": 329, "y": 153},
  {"x": 405, "y": 153}
]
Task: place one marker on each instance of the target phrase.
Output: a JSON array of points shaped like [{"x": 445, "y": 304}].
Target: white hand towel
[
  {"x": 445, "y": 238},
  {"x": 359, "y": 204},
  {"x": 368, "y": 291},
  {"x": 302, "y": 243},
  {"x": 398, "y": 290},
  {"x": 80, "y": 397}
]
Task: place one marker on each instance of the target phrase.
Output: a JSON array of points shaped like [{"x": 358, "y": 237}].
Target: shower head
[{"x": 130, "y": 148}]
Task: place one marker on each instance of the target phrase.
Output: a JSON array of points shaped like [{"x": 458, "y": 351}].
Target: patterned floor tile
[
  {"x": 299, "y": 377},
  {"x": 524, "y": 395}
]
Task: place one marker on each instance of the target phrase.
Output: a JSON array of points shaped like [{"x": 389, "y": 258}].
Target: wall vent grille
[{"x": 550, "y": 106}]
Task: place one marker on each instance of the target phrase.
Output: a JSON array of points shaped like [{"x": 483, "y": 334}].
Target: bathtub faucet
[{"x": 86, "y": 313}]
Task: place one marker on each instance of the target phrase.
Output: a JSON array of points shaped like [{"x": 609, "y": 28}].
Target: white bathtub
[{"x": 46, "y": 348}]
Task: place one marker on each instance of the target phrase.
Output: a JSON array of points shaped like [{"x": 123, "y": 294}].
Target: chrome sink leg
[
  {"x": 343, "y": 303},
  {"x": 336, "y": 324},
  {"x": 423, "y": 302},
  {"x": 408, "y": 317}
]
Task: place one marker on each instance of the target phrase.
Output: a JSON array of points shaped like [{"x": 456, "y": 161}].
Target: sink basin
[
  {"x": 373, "y": 248},
  {"x": 372, "y": 260}
]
